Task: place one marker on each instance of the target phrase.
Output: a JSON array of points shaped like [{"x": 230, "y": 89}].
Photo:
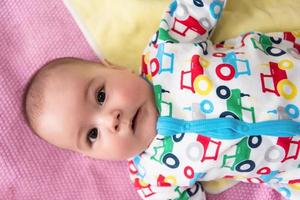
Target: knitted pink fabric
[{"x": 33, "y": 32}]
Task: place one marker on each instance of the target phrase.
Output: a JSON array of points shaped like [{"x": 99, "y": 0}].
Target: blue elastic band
[{"x": 227, "y": 128}]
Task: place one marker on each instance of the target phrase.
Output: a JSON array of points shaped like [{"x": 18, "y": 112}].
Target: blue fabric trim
[{"x": 227, "y": 128}]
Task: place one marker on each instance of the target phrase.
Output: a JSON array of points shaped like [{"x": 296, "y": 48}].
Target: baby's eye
[
  {"x": 92, "y": 135},
  {"x": 100, "y": 96}
]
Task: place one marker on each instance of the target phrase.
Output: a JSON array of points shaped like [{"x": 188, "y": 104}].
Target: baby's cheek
[
  {"x": 126, "y": 148},
  {"x": 123, "y": 145}
]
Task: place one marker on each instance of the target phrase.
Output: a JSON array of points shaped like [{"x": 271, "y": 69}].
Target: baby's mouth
[{"x": 134, "y": 120}]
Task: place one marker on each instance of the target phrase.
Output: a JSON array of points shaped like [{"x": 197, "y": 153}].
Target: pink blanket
[{"x": 33, "y": 32}]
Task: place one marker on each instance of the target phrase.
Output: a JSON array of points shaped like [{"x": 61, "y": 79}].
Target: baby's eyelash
[
  {"x": 92, "y": 136},
  {"x": 100, "y": 96}
]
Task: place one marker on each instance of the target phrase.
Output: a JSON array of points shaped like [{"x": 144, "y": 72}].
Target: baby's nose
[{"x": 114, "y": 121}]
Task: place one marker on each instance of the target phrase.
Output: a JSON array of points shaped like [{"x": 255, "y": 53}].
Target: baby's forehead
[
  {"x": 69, "y": 70},
  {"x": 55, "y": 76},
  {"x": 72, "y": 67},
  {"x": 66, "y": 76}
]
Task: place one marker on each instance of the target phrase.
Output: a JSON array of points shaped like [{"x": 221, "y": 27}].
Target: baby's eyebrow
[
  {"x": 86, "y": 89},
  {"x": 80, "y": 135}
]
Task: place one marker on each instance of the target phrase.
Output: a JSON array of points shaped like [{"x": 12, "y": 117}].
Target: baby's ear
[{"x": 110, "y": 65}]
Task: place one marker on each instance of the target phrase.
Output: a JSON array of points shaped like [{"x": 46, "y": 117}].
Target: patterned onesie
[{"x": 229, "y": 110}]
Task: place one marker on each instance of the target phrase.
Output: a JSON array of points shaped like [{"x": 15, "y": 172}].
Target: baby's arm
[{"x": 189, "y": 21}]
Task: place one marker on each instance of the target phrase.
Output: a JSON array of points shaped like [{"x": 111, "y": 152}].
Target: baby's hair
[{"x": 33, "y": 97}]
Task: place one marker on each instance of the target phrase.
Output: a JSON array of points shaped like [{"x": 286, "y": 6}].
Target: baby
[
  {"x": 103, "y": 111},
  {"x": 229, "y": 110}
]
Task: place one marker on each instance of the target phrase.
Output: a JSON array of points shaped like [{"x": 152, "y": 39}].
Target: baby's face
[{"x": 102, "y": 112}]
